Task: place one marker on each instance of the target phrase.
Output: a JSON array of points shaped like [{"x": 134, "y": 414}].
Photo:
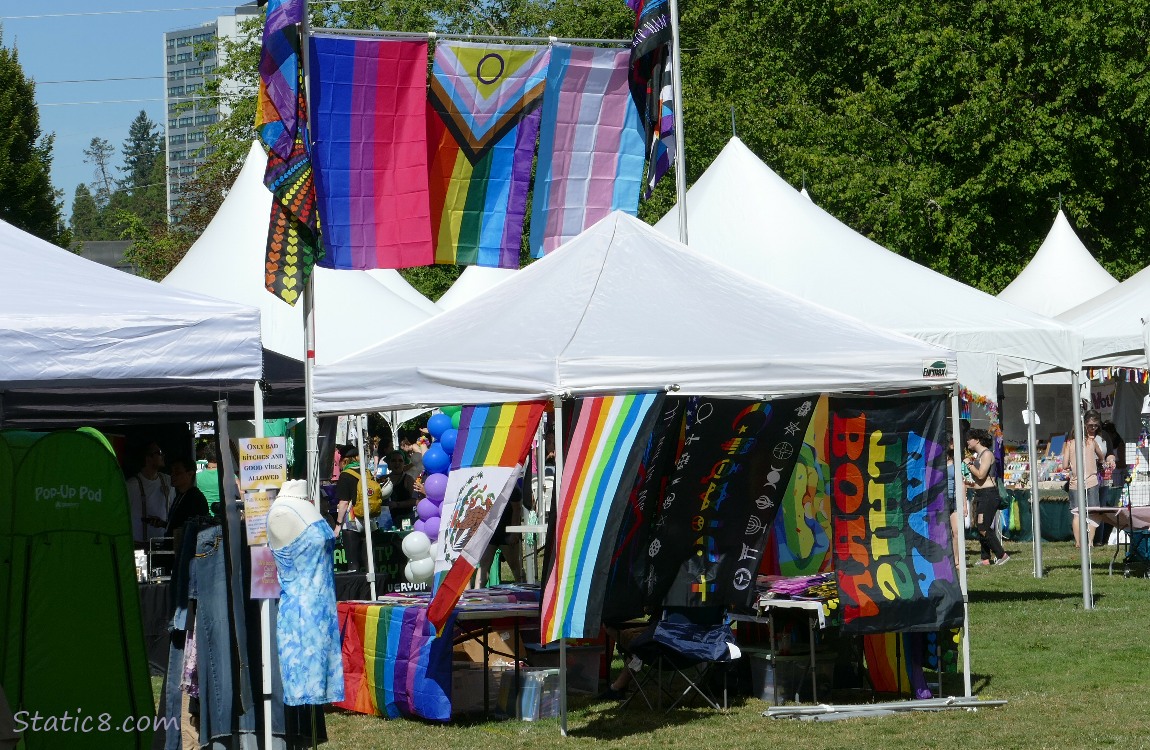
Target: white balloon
[
  {"x": 423, "y": 569},
  {"x": 408, "y": 573},
  {"x": 416, "y": 545}
]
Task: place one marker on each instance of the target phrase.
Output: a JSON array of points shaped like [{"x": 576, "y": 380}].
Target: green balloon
[
  {"x": 451, "y": 411},
  {"x": 455, "y": 420}
]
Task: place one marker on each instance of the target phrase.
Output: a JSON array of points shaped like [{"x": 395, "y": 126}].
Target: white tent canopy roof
[
  {"x": 746, "y": 216},
  {"x": 473, "y": 282},
  {"x": 391, "y": 279},
  {"x": 70, "y": 323},
  {"x": 1112, "y": 323},
  {"x": 227, "y": 261},
  {"x": 1061, "y": 275},
  {"x": 622, "y": 309}
]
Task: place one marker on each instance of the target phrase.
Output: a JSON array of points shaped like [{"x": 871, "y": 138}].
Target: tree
[
  {"x": 85, "y": 215},
  {"x": 145, "y": 171},
  {"x": 99, "y": 155},
  {"x": 27, "y": 199}
]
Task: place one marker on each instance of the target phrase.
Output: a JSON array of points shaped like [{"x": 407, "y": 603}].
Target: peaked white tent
[
  {"x": 1061, "y": 275},
  {"x": 391, "y": 279},
  {"x": 1111, "y": 323},
  {"x": 227, "y": 262},
  {"x": 473, "y": 282},
  {"x": 69, "y": 326},
  {"x": 744, "y": 215},
  {"x": 622, "y": 309}
]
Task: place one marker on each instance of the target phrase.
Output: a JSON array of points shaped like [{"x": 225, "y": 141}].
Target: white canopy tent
[
  {"x": 227, "y": 262},
  {"x": 622, "y": 309},
  {"x": 473, "y": 282},
  {"x": 744, "y": 215},
  {"x": 76, "y": 331},
  {"x": 391, "y": 279},
  {"x": 1111, "y": 323},
  {"x": 1061, "y": 275}
]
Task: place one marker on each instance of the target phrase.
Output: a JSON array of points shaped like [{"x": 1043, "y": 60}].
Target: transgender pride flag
[
  {"x": 591, "y": 145},
  {"x": 369, "y": 119},
  {"x": 611, "y": 433}
]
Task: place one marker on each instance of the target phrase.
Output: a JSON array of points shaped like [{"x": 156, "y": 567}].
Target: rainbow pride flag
[
  {"x": 481, "y": 138},
  {"x": 611, "y": 433},
  {"x": 369, "y": 119},
  {"x": 496, "y": 434},
  {"x": 591, "y": 147}
]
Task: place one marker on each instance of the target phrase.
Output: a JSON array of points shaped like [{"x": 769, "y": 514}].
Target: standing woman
[
  {"x": 1094, "y": 450},
  {"x": 984, "y": 504}
]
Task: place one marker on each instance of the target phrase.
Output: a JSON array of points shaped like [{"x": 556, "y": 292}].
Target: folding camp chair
[{"x": 675, "y": 658}]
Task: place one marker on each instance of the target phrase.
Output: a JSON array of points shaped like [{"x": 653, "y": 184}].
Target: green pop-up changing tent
[{"x": 71, "y": 638}]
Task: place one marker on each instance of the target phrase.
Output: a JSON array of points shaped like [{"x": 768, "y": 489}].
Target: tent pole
[
  {"x": 677, "y": 99},
  {"x": 359, "y": 423},
  {"x": 265, "y": 604},
  {"x": 1036, "y": 509},
  {"x": 1080, "y": 495},
  {"x": 956, "y": 433},
  {"x": 557, "y": 401}
]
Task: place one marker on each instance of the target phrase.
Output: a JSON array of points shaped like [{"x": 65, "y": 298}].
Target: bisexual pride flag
[
  {"x": 481, "y": 138},
  {"x": 370, "y": 153},
  {"x": 591, "y": 146}
]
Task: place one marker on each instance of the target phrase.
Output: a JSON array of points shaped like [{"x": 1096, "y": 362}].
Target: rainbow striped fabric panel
[
  {"x": 370, "y": 123},
  {"x": 591, "y": 148},
  {"x": 496, "y": 434},
  {"x": 611, "y": 433},
  {"x": 481, "y": 135}
]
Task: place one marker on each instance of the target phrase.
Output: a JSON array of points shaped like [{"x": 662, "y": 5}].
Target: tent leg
[
  {"x": 956, "y": 432},
  {"x": 1080, "y": 496},
  {"x": 1036, "y": 510}
]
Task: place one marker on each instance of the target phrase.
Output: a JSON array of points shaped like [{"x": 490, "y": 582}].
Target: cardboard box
[{"x": 499, "y": 646}]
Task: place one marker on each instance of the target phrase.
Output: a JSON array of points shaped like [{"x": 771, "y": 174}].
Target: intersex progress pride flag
[
  {"x": 481, "y": 139},
  {"x": 591, "y": 146},
  {"x": 607, "y": 445},
  {"x": 892, "y": 549},
  {"x": 369, "y": 118}
]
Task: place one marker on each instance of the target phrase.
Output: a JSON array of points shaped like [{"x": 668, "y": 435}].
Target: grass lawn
[{"x": 1073, "y": 679}]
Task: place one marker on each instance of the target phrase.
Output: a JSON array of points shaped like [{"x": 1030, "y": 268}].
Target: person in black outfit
[{"x": 190, "y": 501}]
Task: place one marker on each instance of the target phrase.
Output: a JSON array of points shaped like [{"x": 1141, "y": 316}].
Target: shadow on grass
[
  {"x": 980, "y": 596},
  {"x": 609, "y": 721}
]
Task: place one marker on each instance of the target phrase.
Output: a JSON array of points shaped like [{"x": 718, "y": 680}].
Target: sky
[{"x": 69, "y": 40}]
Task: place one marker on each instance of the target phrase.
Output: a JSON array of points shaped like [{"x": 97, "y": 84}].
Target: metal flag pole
[
  {"x": 1080, "y": 496},
  {"x": 359, "y": 423},
  {"x": 265, "y": 604},
  {"x": 1035, "y": 507},
  {"x": 677, "y": 98},
  {"x": 557, "y": 401},
  {"x": 956, "y": 432}
]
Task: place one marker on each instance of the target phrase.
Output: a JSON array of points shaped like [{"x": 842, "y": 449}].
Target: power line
[
  {"x": 132, "y": 101},
  {"x": 146, "y": 10},
  {"x": 102, "y": 80}
]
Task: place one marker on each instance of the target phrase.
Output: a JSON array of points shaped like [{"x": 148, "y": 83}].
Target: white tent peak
[
  {"x": 1061, "y": 275},
  {"x": 473, "y": 282},
  {"x": 621, "y": 308},
  {"x": 744, "y": 215},
  {"x": 227, "y": 261}
]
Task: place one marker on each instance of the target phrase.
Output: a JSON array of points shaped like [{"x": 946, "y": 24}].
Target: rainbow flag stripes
[
  {"x": 496, "y": 434},
  {"x": 607, "y": 445}
]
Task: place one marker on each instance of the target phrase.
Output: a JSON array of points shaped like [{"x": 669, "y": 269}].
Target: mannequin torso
[{"x": 288, "y": 518}]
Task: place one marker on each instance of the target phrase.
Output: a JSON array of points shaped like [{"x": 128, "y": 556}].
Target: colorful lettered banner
[{"x": 892, "y": 549}]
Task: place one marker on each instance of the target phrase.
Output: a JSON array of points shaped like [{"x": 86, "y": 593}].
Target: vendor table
[
  {"x": 765, "y": 610},
  {"x": 1055, "y": 508},
  {"x": 395, "y": 665},
  {"x": 1124, "y": 519}
]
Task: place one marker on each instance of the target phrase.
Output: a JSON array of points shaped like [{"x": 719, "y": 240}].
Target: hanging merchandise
[
  {"x": 369, "y": 115},
  {"x": 486, "y": 100},
  {"x": 590, "y": 145}
]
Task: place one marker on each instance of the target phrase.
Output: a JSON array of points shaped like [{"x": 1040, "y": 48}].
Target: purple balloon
[
  {"x": 434, "y": 486},
  {"x": 421, "y": 525},
  {"x": 426, "y": 509},
  {"x": 447, "y": 440},
  {"x": 431, "y": 527},
  {"x": 437, "y": 424},
  {"x": 436, "y": 460}
]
